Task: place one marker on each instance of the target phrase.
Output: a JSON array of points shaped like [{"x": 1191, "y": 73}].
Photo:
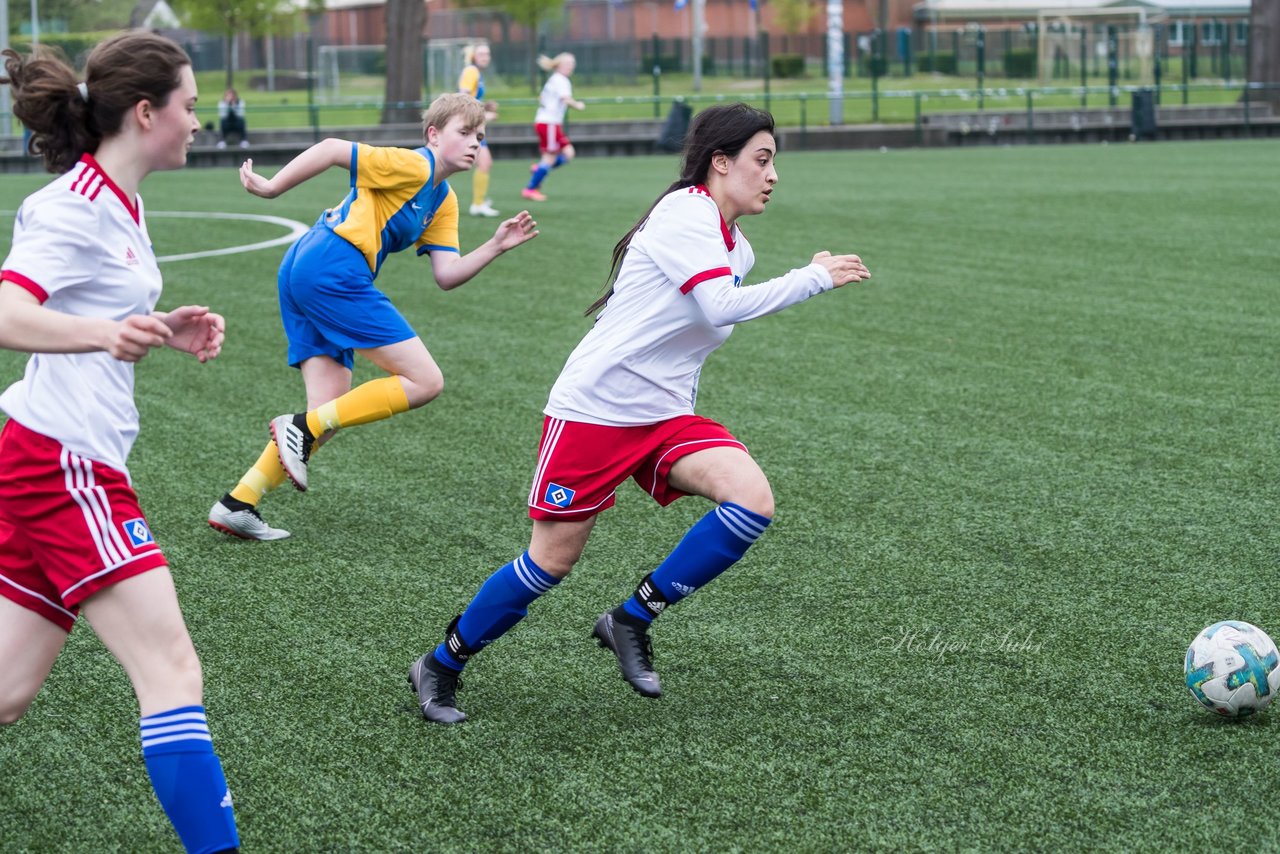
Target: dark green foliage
[
  {"x": 1020, "y": 63},
  {"x": 942, "y": 62},
  {"x": 787, "y": 65}
]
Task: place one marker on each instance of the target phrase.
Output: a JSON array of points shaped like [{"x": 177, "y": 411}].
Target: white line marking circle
[{"x": 296, "y": 230}]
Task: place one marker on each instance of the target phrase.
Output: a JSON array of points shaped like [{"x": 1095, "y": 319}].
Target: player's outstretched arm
[
  {"x": 316, "y": 159},
  {"x": 450, "y": 270},
  {"x": 29, "y": 327},
  {"x": 196, "y": 330}
]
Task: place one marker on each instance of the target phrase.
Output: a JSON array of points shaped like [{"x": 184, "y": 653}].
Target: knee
[
  {"x": 12, "y": 709},
  {"x": 756, "y": 497},
  {"x": 569, "y": 153},
  {"x": 423, "y": 389}
]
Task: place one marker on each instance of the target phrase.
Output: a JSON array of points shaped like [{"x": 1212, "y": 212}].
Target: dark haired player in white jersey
[
  {"x": 78, "y": 291},
  {"x": 623, "y": 406}
]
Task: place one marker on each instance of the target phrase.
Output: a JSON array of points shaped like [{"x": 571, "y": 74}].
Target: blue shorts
[{"x": 328, "y": 303}]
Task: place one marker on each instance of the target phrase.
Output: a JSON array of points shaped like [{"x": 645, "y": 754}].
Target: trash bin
[
  {"x": 1143, "y": 122},
  {"x": 675, "y": 127}
]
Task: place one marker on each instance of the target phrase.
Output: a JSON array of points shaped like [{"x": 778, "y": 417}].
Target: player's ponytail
[
  {"x": 68, "y": 118},
  {"x": 721, "y": 129}
]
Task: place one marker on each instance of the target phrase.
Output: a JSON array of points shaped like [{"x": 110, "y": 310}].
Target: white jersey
[
  {"x": 551, "y": 103},
  {"x": 81, "y": 247},
  {"x": 675, "y": 300}
]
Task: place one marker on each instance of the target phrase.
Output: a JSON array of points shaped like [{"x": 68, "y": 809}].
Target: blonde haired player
[
  {"x": 553, "y": 143},
  {"x": 471, "y": 82},
  {"x": 331, "y": 310}
]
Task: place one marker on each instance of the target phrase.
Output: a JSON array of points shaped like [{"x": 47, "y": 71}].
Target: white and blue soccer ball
[{"x": 1233, "y": 669}]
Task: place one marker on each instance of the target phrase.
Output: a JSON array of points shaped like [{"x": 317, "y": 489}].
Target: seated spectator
[{"x": 231, "y": 119}]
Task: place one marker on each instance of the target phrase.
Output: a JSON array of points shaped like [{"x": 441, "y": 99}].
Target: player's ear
[{"x": 720, "y": 162}]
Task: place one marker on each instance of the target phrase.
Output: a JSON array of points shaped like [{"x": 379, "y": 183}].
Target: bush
[
  {"x": 668, "y": 64},
  {"x": 1020, "y": 63},
  {"x": 787, "y": 65},
  {"x": 74, "y": 46},
  {"x": 939, "y": 63},
  {"x": 876, "y": 66}
]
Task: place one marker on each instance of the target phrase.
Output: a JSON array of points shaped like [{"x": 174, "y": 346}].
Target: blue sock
[
  {"x": 188, "y": 781},
  {"x": 560, "y": 161},
  {"x": 538, "y": 175},
  {"x": 715, "y": 543},
  {"x": 503, "y": 601}
]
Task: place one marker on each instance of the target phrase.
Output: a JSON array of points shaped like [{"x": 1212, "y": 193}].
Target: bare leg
[{"x": 29, "y": 644}]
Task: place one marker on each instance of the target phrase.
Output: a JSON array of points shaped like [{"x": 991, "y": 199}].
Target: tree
[
  {"x": 230, "y": 18},
  {"x": 406, "y": 20},
  {"x": 1264, "y": 47},
  {"x": 529, "y": 13},
  {"x": 793, "y": 16}
]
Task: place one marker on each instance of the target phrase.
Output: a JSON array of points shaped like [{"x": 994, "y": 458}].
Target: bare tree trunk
[
  {"x": 406, "y": 20},
  {"x": 1264, "y": 48}
]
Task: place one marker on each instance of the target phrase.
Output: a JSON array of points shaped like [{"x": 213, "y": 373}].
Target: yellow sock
[
  {"x": 479, "y": 187},
  {"x": 266, "y": 475},
  {"x": 371, "y": 401}
]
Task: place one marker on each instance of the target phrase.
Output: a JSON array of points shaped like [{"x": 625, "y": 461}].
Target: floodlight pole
[{"x": 835, "y": 61}]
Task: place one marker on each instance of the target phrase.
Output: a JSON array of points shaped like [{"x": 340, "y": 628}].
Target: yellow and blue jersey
[
  {"x": 393, "y": 205},
  {"x": 471, "y": 81}
]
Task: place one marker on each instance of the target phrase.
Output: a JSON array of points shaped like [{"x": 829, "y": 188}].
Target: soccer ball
[{"x": 1232, "y": 668}]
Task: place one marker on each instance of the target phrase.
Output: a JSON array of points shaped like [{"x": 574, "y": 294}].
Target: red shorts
[
  {"x": 68, "y": 526},
  {"x": 551, "y": 138},
  {"x": 580, "y": 465}
]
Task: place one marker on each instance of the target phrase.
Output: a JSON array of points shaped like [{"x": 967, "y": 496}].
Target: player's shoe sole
[{"x": 294, "y": 446}]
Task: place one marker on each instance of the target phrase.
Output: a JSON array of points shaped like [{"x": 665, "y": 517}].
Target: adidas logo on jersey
[{"x": 129, "y": 257}]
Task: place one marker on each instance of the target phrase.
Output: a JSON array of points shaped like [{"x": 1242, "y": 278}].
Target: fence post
[
  {"x": 312, "y": 112},
  {"x": 982, "y": 62},
  {"x": 919, "y": 120},
  {"x": 1031, "y": 122},
  {"x": 1186, "y": 62},
  {"x": 1112, "y": 64},
  {"x": 1084, "y": 67}
]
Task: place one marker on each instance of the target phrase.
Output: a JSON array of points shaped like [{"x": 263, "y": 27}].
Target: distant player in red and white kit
[
  {"x": 78, "y": 291},
  {"x": 548, "y": 123},
  {"x": 623, "y": 406}
]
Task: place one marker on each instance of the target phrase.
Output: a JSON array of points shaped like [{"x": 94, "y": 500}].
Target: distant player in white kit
[
  {"x": 548, "y": 123},
  {"x": 78, "y": 291},
  {"x": 623, "y": 406}
]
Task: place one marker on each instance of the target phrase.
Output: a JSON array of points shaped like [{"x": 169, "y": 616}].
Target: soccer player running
[
  {"x": 471, "y": 82},
  {"x": 78, "y": 291},
  {"x": 399, "y": 198},
  {"x": 548, "y": 122},
  {"x": 623, "y": 406}
]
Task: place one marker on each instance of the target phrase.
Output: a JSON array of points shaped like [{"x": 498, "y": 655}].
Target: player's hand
[
  {"x": 843, "y": 268},
  {"x": 512, "y": 232},
  {"x": 132, "y": 338},
  {"x": 255, "y": 183},
  {"x": 197, "y": 331}
]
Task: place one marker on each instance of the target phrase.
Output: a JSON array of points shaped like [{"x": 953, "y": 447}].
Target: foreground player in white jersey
[
  {"x": 78, "y": 291},
  {"x": 623, "y": 406}
]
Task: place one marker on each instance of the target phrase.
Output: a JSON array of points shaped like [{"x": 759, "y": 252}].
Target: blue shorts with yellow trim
[{"x": 328, "y": 303}]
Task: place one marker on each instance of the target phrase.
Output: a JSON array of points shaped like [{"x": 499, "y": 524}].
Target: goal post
[{"x": 1067, "y": 37}]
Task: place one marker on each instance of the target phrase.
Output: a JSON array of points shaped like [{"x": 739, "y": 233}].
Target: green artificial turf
[{"x": 1016, "y": 473}]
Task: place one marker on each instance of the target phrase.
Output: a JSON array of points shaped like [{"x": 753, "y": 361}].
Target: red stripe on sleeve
[
  {"x": 24, "y": 283},
  {"x": 703, "y": 276}
]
